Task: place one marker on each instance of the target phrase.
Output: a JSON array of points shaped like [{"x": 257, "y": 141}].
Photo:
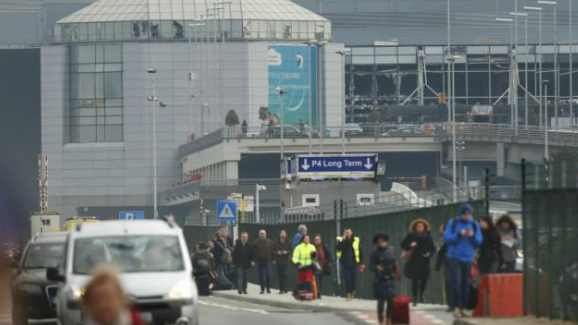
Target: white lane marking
[{"x": 224, "y": 306}]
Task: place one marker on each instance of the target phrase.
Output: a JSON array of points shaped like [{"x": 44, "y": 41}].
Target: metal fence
[
  {"x": 550, "y": 238},
  {"x": 395, "y": 224}
]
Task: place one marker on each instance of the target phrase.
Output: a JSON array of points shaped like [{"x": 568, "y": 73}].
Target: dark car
[{"x": 33, "y": 295}]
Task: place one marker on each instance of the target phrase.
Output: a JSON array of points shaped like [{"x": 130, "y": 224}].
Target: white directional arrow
[
  {"x": 305, "y": 166},
  {"x": 368, "y": 165}
]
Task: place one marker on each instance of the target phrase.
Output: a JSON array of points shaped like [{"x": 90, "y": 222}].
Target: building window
[{"x": 96, "y": 93}]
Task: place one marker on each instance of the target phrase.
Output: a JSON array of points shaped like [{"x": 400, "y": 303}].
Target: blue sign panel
[
  {"x": 131, "y": 215},
  {"x": 354, "y": 166},
  {"x": 294, "y": 69},
  {"x": 227, "y": 210}
]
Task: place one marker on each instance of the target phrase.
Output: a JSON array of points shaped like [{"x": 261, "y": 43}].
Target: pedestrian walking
[
  {"x": 104, "y": 301},
  {"x": 324, "y": 261},
  {"x": 463, "y": 236},
  {"x": 203, "y": 263},
  {"x": 222, "y": 251},
  {"x": 301, "y": 232},
  {"x": 490, "y": 254},
  {"x": 350, "y": 257},
  {"x": 510, "y": 241},
  {"x": 442, "y": 265},
  {"x": 418, "y": 246},
  {"x": 263, "y": 256},
  {"x": 282, "y": 258},
  {"x": 383, "y": 264},
  {"x": 303, "y": 258},
  {"x": 243, "y": 260}
]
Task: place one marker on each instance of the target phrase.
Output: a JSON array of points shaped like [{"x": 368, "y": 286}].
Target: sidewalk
[
  {"x": 327, "y": 304},
  {"x": 510, "y": 321}
]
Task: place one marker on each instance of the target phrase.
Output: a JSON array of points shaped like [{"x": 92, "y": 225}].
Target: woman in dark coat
[
  {"x": 490, "y": 257},
  {"x": 382, "y": 263},
  {"x": 420, "y": 245},
  {"x": 203, "y": 263}
]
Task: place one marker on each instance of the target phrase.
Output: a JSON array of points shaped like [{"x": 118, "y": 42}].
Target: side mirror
[{"x": 55, "y": 274}]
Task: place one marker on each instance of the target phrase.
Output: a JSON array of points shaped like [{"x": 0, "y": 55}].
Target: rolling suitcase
[{"x": 400, "y": 310}]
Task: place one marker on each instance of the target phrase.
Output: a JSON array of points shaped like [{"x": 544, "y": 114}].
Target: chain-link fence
[
  {"x": 395, "y": 224},
  {"x": 550, "y": 238}
]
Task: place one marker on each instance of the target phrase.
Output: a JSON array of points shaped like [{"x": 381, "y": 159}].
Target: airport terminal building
[{"x": 215, "y": 57}]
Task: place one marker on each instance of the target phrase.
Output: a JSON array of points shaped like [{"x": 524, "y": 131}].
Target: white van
[{"x": 154, "y": 266}]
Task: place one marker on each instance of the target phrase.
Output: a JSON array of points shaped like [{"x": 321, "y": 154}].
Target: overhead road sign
[
  {"x": 343, "y": 166},
  {"x": 226, "y": 210}
]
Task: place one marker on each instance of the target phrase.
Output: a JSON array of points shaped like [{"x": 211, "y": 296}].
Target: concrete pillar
[{"x": 500, "y": 159}]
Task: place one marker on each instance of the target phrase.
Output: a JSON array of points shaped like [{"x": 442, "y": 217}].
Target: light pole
[
  {"x": 192, "y": 75},
  {"x": 461, "y": 146},
  {"x": 280, "y": 91},
  {"x": 311, "y": 45},
  {"x": 449, "y": 54},
  {"x": 554, "y": 4},
  {"x": 343, "y": 53},
  {"x": 571, "y": 57},
  {"x": 525, "y": 15},
  {"x": 452, "y": 109},
  {"x": 513, "y": 91},
  {"x": 539, "y": 11},
  {"x": 320, "y": 92},
  {"x": 153, "y": 99},
  {"x": 546, "y": 151},
  {"x": 258, "y": 188}
]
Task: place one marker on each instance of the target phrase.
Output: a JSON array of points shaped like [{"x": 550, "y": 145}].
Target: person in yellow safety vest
[
  {"x": 350, "y": 255},
  {"x": 303, "y": 257}
]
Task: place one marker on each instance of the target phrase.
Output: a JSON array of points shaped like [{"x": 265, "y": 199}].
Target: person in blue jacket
[{"x": 462, "y": 237}]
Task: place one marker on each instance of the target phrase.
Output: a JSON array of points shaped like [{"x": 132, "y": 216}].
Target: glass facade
[
  {"x": 96, "y": 93},
  {"x": 379, "y": 77},
  {"x": 274, "y": 20}
]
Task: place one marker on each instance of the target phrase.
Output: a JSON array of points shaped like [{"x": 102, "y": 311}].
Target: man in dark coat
[
  {"x": 243, "y": 260},
  {"x": 420, "y": 245},
  {"x": 282, "y": 258},
  {"x": 263, "y": 255}
]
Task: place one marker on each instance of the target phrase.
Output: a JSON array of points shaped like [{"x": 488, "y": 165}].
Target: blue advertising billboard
[{"x": 293, "y": 68}]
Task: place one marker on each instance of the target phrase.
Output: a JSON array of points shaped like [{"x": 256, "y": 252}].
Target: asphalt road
[{"x": 225, "y": 311}]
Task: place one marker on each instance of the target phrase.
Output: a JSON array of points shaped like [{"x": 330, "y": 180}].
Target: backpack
[{"x": 227, "y": 256}]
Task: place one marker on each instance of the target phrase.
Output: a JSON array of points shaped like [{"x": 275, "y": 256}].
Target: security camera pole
[
  {"x": 280, "y": 91},
  {"x": 153, "y": 99}
]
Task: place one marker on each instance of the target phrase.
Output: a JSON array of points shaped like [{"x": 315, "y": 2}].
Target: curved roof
[
  {"x": 134, "y": 10},
  {"x": 170, "y": 19}
]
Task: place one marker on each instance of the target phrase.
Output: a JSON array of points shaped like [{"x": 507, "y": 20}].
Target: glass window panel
[
  {"x": 362, "y": 50},
  {"x": 99, "y": 85},
  {"x": 390, "y": 50},
  {"x": 87, "y": 112},
  {"x": 436, "y": 59},
  {"x": 83, "y": 32},
  {"x": 406, "y": 50},
  {"x": 478, "y": 50},
  {"x": 86, "y": 54},
  {"x": 99, "y": 53},
  {"x": 100, "y": 119},
  {"x": 363, "y": 60},
  {"x": 499, "y": 49},
  {"x": 386, "y": 59},
  {"x": 112, "y": 67},
  {"x": 113, "y": 133},
  {"x": 87, "y": 134},
  {"x": 86, "y": 120},
  {"x": 99, "y": 103},
  {"x": 100, "y": 112},
  {"x": 113, "y": 120},
  {"x": 112, "y": 85},
  {"x": 109, "y": 27},
  {"x": 74, "y": 134},
  {"x": 99, "y": 67},
  {"x": 92, "y": 31},
  {"x": 439, "y": 50},
  {"x": 100, "y": 136},
  {"x": 86, "y": 85},
  {"x": 406, "y": 59},
  {"x": 113, "y": 102},
  {"x": 111, "y": 111}
]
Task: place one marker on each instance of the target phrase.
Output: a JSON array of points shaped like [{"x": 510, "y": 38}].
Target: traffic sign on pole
[
  {"x": 226, "y": 210},
  {"x": 350, "y": 166}
]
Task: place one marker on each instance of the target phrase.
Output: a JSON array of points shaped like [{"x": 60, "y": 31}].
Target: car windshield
[
  {"x": 130, "y": 254},
  {"x": 43, "y": 256}
]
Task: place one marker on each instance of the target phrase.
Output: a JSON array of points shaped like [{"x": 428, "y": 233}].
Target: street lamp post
[
  {"x": 343, "y": 53},
  {"x": 452, "y": 109},
  {"x": 513, "y": 91},
  {"x": 571, "y": 57},
  {"x": 280, "y": 91},
  {"x": 554, "y": 4},
  {"x": 192, "y": 75},
  {"x": 546, "y": 151},
  {"x": 153, "y": 99},
  {"x": 526, "y": 52},
  {"x": 258, "y": 188},
  {"x": 312, "y": 45},
  {"x": 539, "y": 11}
]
